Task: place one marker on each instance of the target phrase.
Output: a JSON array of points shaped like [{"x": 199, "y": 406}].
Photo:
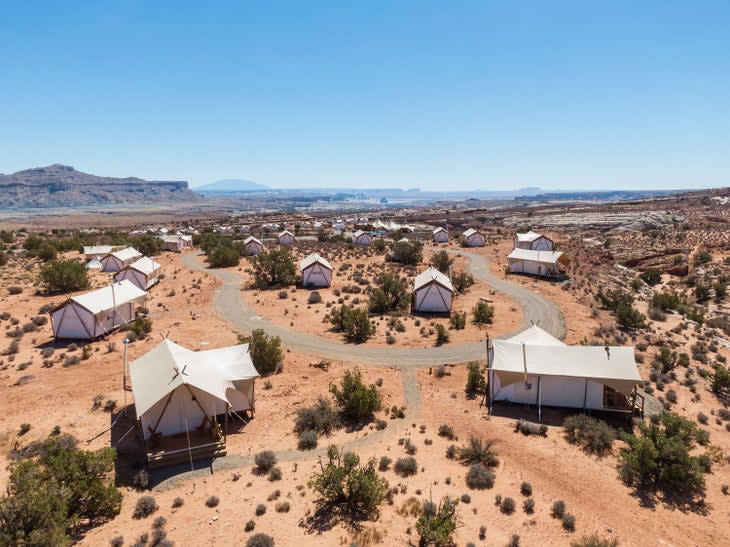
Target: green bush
[
  {"x": 345, "y": 485},
  {"x": 442, "y": 334},
  {"x": 354, "y": 322},
  {"x": 64, "y": 490},
  {"x": 594, "y": 540},
  {"x": 462, "y": 281},
  {"x": 478, "y": 451},
  {"x": 64, "y": 276},
  {"x": 483, "y": 313},
  {"x": 407, "y": 253},
  {"x": 266, "y": 353},
  {"x": 321, "y": 418},
  {"x": 665, "y": 301},
  {"x": 265, "y": 461},
  {"x": 436, "y": 525},
  {"x": 441, "y": 261},
  {"x": 660, "y": 457},
  {"x": 629, "y": 317},
  {"x": 405, "y": 467},
  {"x": 275, "y": 268},
  {"x": 594, "y": 435},
  {"x": 140, "y": 326},
  {"x": 307, "y": 440},
  {"x": 651, "y": 276},
  {"x": 260, "y": 540},
  {"x": 390, "y": 295},
  {"x": 47, "y": 252},
  {"x": 357, "y": 401},
  {"x": 146, "y": 505},
  {"x": 457, "y": 321},
  {"x": 147, "y": 244},
  {"x": 476, "y": 382},
  {"x": 479, "y": 477},
  {"x": 223, "y": 257}
]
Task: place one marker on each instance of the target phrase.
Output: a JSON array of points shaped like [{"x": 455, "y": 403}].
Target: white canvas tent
[
  {"x": 118, "y": 260},
  {"x": 144, "y": 273},
  {"x": 316, "y": 271},
  {"x": 440, "y": 235},
  {"x": 178, "y": 394},
  {"x": 177, "y": 243},
  {"x": 534, "y": 241},
  {"x": 544, "y": 263},
  {"x": 252, "y": 246},
  {"x": 96, "y": 313},
  {"x": 474, "y": 238},
  {"x": 94, "y": 264},
  {"x": 535, "y": 368},
  {"x": 92, "y": 251},
  {"x": 286, "y": 238},
  {"x": 432, "y": 292},
  {"x": 362, "y": 238}
]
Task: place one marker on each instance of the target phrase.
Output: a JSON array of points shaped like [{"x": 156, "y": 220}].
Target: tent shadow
[
  {"x": 554, "y": 416},
  {"x": 126, "y": 439}
]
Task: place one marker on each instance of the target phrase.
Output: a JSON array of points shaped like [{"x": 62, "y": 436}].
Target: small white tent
[
  {"x": 96, "y": 313},
  {"x": 362, "y": 238},
  {"x": 474, "y": 238},
  {"x": 535, "y": 368},
  {"x": 533, "y": 241},
  {"x": 119, "y": 260},
  {"x": 433, "y": 292},
  {"x": 177, "y": 243},
  {"x": 252, "y": 246},
  {"x": 286, "y": 238},
  {"x": 316, "y": 271},
  {"x": 93, "y": 251},
  {"x": 180, "y": 391},
  {"x": 94, "y": 264},
  {"x": 144, "y": 273},
  {"x": 440, "y": 235},
  {"x": 544, "y": 263}
]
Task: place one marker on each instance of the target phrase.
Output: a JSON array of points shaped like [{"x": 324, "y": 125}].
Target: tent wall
[
  {"x": 72, "y": 321},
  {"x": 286, "y": 239},
  {"x": 141, "y": 280},
  {"x": 175, "y": 246},
  {"x": 441, "y": 237},
  {"x": 475, "y": 240},
  {"x": 542, "y": 244},
  {"x": 364, "y": 239},
  {"x": 180, "y": 408},
  {"x": 433, "y": 298},
  {"x": 533, "y": 267},
  {"x": 111, "y": 264},
  {"x": 241, "y": 398},
  {"x": 253, "y": 248},
  {"x": 316, "y": 275},
  {"x": 560, "y": 391},
  {"x": 109, "y": 320}
]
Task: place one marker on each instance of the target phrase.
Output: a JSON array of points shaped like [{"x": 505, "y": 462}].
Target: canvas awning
[
  {"x": 108, "y": 297},
  {"x": 168, "y": 366},
  {"x": 145, "y": 265}
]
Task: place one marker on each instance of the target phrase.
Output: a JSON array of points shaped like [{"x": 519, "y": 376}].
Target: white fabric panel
[
  {"x": 433, "y": 298},
  {"x": 316, "y": 276}
]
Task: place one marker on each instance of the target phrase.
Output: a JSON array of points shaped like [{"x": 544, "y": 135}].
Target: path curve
[{"x": 231, "y": 307}]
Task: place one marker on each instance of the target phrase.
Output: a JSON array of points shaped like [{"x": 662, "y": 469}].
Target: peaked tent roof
[
  {"x": 175, "y": 238},
  {"x": 528, "y": 236},
  {"x": 251, "y": 239},
  {"x": 469, "y": 232},
  {"x": 285, "y": 232},
  {"x": 160, "y": 371},
  {"x": 145, "y": 265},
  {"x": 107, "y": 297},
  {"x": 432, "y": 274},
  {"x": 548, "y": 257},
  {"x": 358, "y": 233},
  {"x": 126, "y": 254},
  {"x": 94, "y": 264},
  {"x": 97, "y": 249},
  {"x": 439, "y": 229},
  {"x": 312, "y": 259},
  {"x": 535, "y": 335}
]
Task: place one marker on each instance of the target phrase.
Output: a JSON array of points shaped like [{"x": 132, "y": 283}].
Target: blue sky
[{"x": 458, "y": 95}]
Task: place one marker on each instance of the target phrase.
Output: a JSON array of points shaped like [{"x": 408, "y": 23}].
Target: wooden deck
[{"x": 175, "y": 449}]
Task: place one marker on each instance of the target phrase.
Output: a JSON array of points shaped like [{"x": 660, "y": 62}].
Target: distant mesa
[
  {"x": 63, "y": 186},
  {"x": 233, "y": 185}
]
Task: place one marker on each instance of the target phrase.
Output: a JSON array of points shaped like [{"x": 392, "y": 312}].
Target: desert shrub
[
  {"x": 266, "y": 353},
  {"x": 116, "y": 541},
  {"x": 260, "y": 540},
  {"x": 407, "y": 253},
  {"x": 442, "y": 261},
  {"x": 384, "y": 463},
  {"x": 282, "y": 294},
  {"x": 665, "y": 301},
  {"x": 508, "y": 506},
  {"x": 475, "y": 379},
  {"x": 406, "y": 467},
  {"x": 483, "y": 313},
  {"x": 514, "y": 541},
  {"x": 321, "y": 418},
  {"x": 140, "y": 326},
  {"x": 703, "y": 418},
  {"x": 651, "y": 276},
  {"x": 357, "y": 401},
  {"x": 274, "y": 268},
  {"x": 568, "y": 522},
  {"x": 314, "y": 298},
  {"x": 558, "y": 509},
  {"x": 249, "y": 526},
  {"x": 354, "y": 322},
  {"x": 594, "y": 540},
  {"x": 457, "y": 321},
  {"x": 436, "y": 524},
  {"x": 530, "y": 428},
  {"x": 462, "y": 281},
  {"x": 659, "y": 458},
  {"x": 64, "y": 276},
  {"x": 275, "y": 474},
  {"x": 15, "y": 290},
  {"x": 442, "y": 335},
  {"x": 260, "y": 509},
  {"x": 528, "y": 506},
  {"x": 178, "y": 502},
  {"x": 526, "y": 489},
  {"x": 721, "y": 380},
  {"x": 629, "y": 317},
  {"x": 479, "y": 477},
  {"x": 593, "y": 435},
  {"x": 446, "y": 431},
  {"x": 451, "y": 452},
  {"x": 212, "y": 501},
  {"x": 141, "y": 479},
  {"x": 265, "y": 461},
  {"x": 146, "y": 505},
  {"x": 282, "y": 507},
  {"x": 465, "y": 498},
  {"x": 478, "y": 451},
  {"x": 346, "y": 485},
  {"x": 147, "y": 244},
  {"x": 307, "y": 440},
  {"x": 223, "y": 257},
  {"x": 409, "y": 447},
  {"x": 389, "y": 295}
]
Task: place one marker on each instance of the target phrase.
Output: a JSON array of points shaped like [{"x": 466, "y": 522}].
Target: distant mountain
[
  {"x": 63, "y": 186},
  {"x": 233, "y": 185}
]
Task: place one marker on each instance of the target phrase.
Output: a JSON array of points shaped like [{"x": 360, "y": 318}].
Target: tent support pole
[
  {"x": 159, "y": 419},
  {"x": 585, "y": 396},
  {"x": 489, "y": 383},
  {"x": 539, "y": 400},
  {"x": 225, "y": 425}
]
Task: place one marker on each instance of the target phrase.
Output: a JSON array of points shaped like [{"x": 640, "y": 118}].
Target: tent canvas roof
[
  {"x": 529, "y": 236},
  {"x": 575, "y": 361},
  {"x": 285, "y": 232},
  {"x": 94, "y": 264},
  {"x": 469, "y": 232},
  {"x": 126, "y": 254},
  {"x": 535, "y": 335},
  {"x": 547, "y": 257},
  {"x": 439, "y": 229},
  {"x": 250, "y": 239},
  {"x": 312, "y": 259},
  {"x": 145, "y": 265},
  {"x": 432, "y": 274},
  {"x": 160, "y": 371},
  {"x": 107, "y": 297},
  {"x": 97, "y": 249},
  {"x": 175, "y": 238},
  {"x": 358, "y": 233}
]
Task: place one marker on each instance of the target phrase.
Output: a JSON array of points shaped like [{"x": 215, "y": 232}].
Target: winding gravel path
[{"x": 230, "y": 306}]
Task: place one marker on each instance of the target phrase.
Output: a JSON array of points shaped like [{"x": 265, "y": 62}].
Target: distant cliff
[{"x": 63, "y": 186}]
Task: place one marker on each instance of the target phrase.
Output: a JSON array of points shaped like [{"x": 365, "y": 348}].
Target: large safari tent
[
  {"x": 542, "y": 263},
  {"x": 432, "y": 292},
  {"x": 183, "y": 399},
  {"x": 474, "y": 238},
  {"x": 316, "y": 271},
  {"x": 534, "y": 368},
  {"x": 96, "y": 313},
  {"x": 144, "y": 273},
  {"x": 118, "y": 260}
]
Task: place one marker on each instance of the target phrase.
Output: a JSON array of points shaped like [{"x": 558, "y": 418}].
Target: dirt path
[{"x": 231, "y": 307}]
